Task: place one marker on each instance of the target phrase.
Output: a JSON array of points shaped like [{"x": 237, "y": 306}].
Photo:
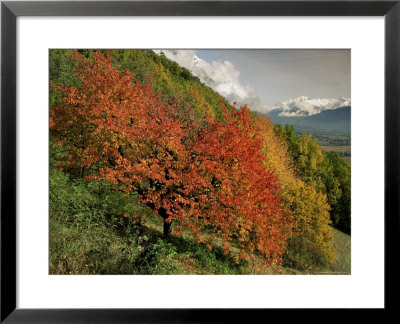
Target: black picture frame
[{"x": 10, "y": 10}]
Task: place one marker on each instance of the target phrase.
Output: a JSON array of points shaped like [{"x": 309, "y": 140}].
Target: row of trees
[
  {"x": 220, "y": 173},
  {"x": 327, "y": 172}
]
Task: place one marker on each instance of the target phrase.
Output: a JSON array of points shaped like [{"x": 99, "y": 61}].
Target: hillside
[{"x": 176, "y": 84}]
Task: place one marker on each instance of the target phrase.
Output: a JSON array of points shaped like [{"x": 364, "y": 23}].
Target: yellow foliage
[
  {"x": 310, "y": 211},
  {"x": 308, "y": 208},
  {"x": 274, "y": 151}
]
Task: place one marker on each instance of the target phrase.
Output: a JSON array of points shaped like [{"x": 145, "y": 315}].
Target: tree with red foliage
[
  {"x": 243, "y": 202},
  {"x": 125, "y": 134}
]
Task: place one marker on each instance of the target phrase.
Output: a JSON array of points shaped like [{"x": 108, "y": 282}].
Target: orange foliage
[{"x": 243, "y": 200}]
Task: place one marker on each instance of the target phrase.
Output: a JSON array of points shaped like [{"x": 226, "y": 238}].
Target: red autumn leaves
[{"x": 204, "y": 175}]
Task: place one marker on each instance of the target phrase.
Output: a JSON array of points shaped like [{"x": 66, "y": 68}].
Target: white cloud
[
  {"x": 305, "y": 106},
  {"x": 221, "y": 76}
]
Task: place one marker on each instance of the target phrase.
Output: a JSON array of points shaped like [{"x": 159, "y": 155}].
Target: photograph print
[{"x": 192, "y": 162}]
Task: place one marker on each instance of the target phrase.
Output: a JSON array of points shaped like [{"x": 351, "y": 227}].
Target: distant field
[
  {"x": 333, "y": 140},
  {"x": 336, "y": 148}
]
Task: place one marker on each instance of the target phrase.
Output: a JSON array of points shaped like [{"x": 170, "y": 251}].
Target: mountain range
[
  {"x": 306, "y": 106},
  {"x": 336, "y": 121}
]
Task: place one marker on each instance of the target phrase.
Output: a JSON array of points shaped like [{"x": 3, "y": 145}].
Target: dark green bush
[{"x": 158, "y": 258}]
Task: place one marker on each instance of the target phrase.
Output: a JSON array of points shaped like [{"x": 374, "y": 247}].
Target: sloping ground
[
  {"x": 98, "y": 248},
  {"x": 342, "y": 246},
  {"x": 342, "y": 265}
]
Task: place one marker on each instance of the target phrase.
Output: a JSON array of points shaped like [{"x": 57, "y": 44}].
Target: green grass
[
  {"x": 93, "y": 249},
  {"x": 108, "y": 249},
  {"x": 342, "y": 246}
]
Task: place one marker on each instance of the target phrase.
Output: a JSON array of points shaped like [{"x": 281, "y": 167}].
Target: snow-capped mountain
[{"x": 306, "y": 106}]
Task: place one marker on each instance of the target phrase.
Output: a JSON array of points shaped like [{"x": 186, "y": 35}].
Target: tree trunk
[
  {"x": 167, "y": 225},
  {"x": 167, "y": 229}
]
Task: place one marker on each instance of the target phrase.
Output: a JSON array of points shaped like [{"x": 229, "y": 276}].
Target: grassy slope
[
  {"x": 342, "y": 265},
  {"x": 342, "y": 246},
  {"x": 100, "y": 248},
  {"x": 103, "y": 249}
]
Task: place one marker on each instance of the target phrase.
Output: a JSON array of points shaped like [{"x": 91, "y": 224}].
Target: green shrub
[{"x": 158, "y": 258}]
